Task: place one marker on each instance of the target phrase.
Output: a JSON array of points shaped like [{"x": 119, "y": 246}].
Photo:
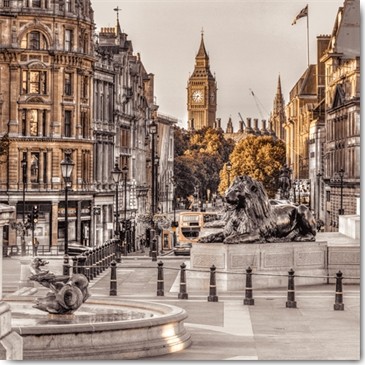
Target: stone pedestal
[
  {"x": 11, "y": 343},
  {"x": 231, "y": 262}
]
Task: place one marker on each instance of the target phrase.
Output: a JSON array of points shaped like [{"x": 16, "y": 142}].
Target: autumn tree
[
  {"x": 199, "y": 157},
  {"x": 260, "y": 157}
]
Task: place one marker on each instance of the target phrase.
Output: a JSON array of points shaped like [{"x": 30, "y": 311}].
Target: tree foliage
[
  {"x": 199, "y": 157},
  {"x": 260, "y": 157}
]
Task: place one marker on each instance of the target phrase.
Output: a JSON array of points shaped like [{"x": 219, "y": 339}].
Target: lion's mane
[{"x": 250, "y": 208}]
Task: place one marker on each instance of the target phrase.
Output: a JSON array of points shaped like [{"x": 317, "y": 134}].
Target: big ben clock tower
[{"x": 202, "y": 92}]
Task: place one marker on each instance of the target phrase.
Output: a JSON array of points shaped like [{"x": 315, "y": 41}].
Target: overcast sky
[{"x": 249, "y": 43}]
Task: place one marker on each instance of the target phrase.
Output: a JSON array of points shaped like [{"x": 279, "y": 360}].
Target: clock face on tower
[{"x": 197, "y": 96}]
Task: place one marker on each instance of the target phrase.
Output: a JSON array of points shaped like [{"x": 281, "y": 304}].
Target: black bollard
[
  {"x": 212, "y": 286},
  {"x": 339, "y": 306},
  {"x": 291, "y": 303},
  {"x": 66, "y": 265},
  {"x": 248, "y": 293},
  {"x": 160, "y": 284},
  {"x": 93, "y": 261},
  {"x": 74, "y": 264},
  {"x": 87, "y": 265},
  {"x": 81, "y": 264},
  {"x": 154, "y": 249},
  {"x": 113, "y": 278},
  {"x": 183, "y": 294}
]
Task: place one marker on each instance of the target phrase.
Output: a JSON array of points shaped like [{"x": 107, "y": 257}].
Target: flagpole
[{"x": 308, "y": 35}]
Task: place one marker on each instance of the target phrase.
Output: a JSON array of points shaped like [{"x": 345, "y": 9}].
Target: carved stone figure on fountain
[
  {"x": 67, "y": 292},
  {"x": 251, "y": 218}
]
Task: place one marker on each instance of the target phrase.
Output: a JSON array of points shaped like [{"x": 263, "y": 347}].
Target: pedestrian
[
  {"x": 35, "y": 246},
  {"x": 142, "y": 244}
]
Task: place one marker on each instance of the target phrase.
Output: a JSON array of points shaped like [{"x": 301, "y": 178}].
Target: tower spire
[
  {"x": 118, "y": 29},
  {"x": 202, "y": 53}
]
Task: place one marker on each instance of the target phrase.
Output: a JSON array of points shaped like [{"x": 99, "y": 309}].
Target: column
[{"x": 41, "y": 169}]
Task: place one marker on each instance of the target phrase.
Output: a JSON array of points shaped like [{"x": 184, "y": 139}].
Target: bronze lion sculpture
[{"x": 250, "y": 217}]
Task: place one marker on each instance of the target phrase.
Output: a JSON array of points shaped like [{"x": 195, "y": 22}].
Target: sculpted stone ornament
[
  {"x": 251, "y": 218},
  {"x": 67, "y": 293}
]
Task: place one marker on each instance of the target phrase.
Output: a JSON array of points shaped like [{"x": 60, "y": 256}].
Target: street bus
[{"x": 191, "y": 225}]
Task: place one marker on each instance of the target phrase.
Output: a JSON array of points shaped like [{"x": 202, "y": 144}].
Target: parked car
[{"x": 182, "y": 249}]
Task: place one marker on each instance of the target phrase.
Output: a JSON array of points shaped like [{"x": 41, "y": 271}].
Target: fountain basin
[{"x": 101, "y": 329}]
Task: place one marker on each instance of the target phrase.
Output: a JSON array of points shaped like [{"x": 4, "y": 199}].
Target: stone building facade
[
  {"x": 342, "y": 103},
  {"x": 66, "y": 89},
  {"x": 46, "y": 67}
]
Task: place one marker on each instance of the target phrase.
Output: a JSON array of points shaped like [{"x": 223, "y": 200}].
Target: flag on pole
[{"x": 302, "y": 14}]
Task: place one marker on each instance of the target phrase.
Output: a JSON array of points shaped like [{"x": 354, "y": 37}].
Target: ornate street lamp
[
  {"x": 157, "y": 161},
  {"x": 174, "y": 223},
  {"x": 67, "y": 166},
  {"x": 153, "y": 131},
  {"x": 342, "y": 174},
  {"x": 116, "y": 175},
  {"x": 229, "y": 169},
  {"x": 319, "y": 175},
  {"x": 125, "y": 174},
  {"x": 24, "y": 167}
]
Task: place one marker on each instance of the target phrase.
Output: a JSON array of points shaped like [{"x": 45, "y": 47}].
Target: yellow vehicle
[{"x": 191, "y": 225}]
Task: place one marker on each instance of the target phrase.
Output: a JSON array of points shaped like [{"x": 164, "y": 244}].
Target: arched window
[{"x": 34, "y": 40}]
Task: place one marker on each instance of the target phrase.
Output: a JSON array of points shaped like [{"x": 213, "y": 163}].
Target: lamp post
[
  {"x": 24, "y": 167},
  {"x": 66, "y": 169},
  {"x": 342, "y": 174},
  {"x": 319, "y": 175},
  {"x": 157, "y": 161},
  {"x": 116, "y": 175},
  {"x": 153, "y": 131},
  {"x": 175, "y": 224},
  {"x": 125, "y": 174},
  {"x": 229, "y": 169}
]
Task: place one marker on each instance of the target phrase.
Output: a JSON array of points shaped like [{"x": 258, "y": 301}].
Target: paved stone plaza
[{"x": 228, "y": 330}]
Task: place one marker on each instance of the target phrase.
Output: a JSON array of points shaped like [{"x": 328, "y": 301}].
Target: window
[
  {"x": 34, "y": 40},
  {"x": 44, "y": 122},
  {"x": 68, "y": 39},
  {"x": 68, "y": 115},
  {"x": 84, "y": 124},
  {"x": 34, "y": 82},
  {"x": 68, "y": 84},
  {"x": 36, "y": 3},
  {"x": 6, "y": 3},
  {"x": 68, "y": 5},
  {"x": 24, "y": 121},
  {"x": 45, "y": 180},
  {"x": 33, "y": 122}
]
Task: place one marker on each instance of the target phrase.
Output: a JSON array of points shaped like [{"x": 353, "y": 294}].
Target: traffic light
[{"x": 35, "y": 214}]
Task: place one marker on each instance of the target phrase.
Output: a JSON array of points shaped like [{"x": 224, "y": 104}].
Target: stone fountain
[{"x": 79, "y": 328}]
